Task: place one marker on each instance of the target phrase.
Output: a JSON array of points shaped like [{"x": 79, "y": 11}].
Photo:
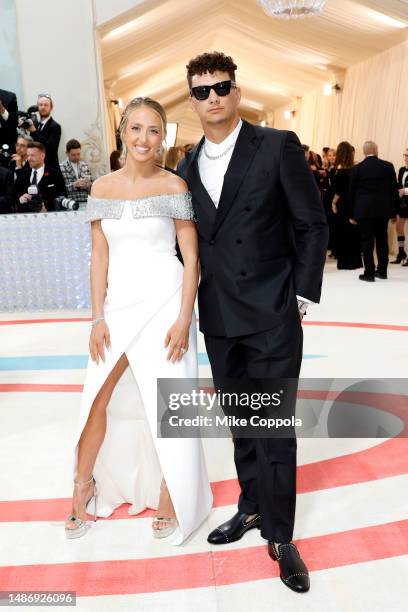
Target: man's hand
[
  {"x": 17, "y": 158},
  {"x": 401, "y": 192},
  {"x": 26, "y": 197},
  {"x": 334, "y": 208},
  {"x": 2, "y": 108},
  {"x": 353, "y": 221},
  {"x": 81, "y": 183}
]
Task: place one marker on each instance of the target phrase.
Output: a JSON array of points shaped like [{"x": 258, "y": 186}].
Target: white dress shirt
[
  {"x": 40, "y": 174},
  {"x": 43, "y": 122},
  {"x": 212, "y": 171}
]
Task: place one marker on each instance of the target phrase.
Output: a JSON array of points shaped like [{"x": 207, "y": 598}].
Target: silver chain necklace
[{"x": 212, "y": 157}]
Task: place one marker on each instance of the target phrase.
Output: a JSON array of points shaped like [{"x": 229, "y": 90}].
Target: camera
[
  {"x": 35, "y": 204},
  {"x": 4, "y": 155},
  {"x": 30, "y": 113},
  {"x": 63, "y": 203}
]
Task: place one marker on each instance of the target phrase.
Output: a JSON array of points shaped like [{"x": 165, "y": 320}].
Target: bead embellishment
[{"x": 175, "y": 205}]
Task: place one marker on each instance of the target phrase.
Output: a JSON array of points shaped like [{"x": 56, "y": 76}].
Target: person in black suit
[
  {"x": 262, "y": 239},
  {"x": 373, "y": 201},
  {"x": 8, "y": 119},
  {"x": 47, "y": 131},
  {"x": 47, "y": 180},
  {"x": 6, "y": 191},
  {"x": 402, "y": 212}
]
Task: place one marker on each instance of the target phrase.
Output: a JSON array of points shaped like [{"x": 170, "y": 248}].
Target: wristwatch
[{"x": 302, "y": 306}]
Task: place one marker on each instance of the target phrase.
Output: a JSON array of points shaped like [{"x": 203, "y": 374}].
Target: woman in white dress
[{"x": 143, "y": 328}]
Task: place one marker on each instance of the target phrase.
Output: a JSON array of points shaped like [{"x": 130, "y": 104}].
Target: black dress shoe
[
  {"x": 366, "y": 277},
  {"x": 234, "y": 529},
  {"x": 380, "y": 275},
  {"x": 293, "y": 571}
]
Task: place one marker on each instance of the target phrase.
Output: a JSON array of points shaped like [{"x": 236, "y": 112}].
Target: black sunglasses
[{"x": 201, "y": 92}]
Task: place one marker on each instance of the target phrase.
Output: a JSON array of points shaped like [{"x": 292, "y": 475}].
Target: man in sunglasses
[
  {"x": 47, "y": 131},
  {"x": 262, "y": 239}
]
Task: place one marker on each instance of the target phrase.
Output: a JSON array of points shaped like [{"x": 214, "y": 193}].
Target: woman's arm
[
  {"x": 178, "y": 334},
  {"x": 98, "y": 278}
]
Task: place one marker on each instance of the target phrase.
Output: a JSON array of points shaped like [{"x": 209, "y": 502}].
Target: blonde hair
[{"x": 138, "y": 103}]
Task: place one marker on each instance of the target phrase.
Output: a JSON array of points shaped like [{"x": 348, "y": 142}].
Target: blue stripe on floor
[{"x": 73, "y": 362}]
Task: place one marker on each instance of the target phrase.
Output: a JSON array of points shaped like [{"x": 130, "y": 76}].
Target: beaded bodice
[{"x": 175, "y": 205}]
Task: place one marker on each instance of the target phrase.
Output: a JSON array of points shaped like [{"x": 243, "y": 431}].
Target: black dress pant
[
  {"x": 266, "y": 467},
  {"x": 374, "y": 231}
]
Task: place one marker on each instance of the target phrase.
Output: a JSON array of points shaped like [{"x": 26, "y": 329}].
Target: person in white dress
[{"x": 143, "y": 328}]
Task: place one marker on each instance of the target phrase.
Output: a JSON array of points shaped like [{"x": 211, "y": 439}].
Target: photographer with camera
[
  {"x": 8, "y": 119},
  {"x": 47, "y": 131},
  {"x": 38, "y": 186},
  {"x": 76, "y": 173}
]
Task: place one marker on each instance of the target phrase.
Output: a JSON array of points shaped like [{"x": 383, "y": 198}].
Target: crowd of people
[
  {"x": 32, "y": 179},
  {"x": 359, "y": 200}
]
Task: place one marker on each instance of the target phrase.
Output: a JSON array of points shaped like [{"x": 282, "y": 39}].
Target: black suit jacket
[
  {"x": 51, "y": 185},
  {"x": 6, "y": 191},
  {"x": 373, "y": 190},
  {"x": 50, "y": 136},
  {"x": 267, "y": 240},
  {"x": 8, "y": 129}
]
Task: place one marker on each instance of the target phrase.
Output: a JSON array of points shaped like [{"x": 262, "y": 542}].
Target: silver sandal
[{"x": 81, "y": 527}]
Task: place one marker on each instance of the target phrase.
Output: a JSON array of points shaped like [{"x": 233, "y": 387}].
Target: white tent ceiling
[{"x": 145, "y": 51}]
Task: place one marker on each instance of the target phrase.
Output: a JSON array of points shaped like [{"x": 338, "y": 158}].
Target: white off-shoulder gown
[{"x": 142, "y": 302}]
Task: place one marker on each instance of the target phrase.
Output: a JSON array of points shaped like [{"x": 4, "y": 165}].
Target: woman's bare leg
[
  {"x": 165, "y": 509},
  {"x": 91, "y": 439}
]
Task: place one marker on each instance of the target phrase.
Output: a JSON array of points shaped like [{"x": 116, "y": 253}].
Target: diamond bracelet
[{"x": 96, "y": 321}]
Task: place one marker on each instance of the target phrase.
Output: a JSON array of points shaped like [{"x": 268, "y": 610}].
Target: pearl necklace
[{"x": 212, "y": 157}]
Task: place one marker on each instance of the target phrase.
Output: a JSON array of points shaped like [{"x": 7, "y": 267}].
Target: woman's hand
[
  {"x": 99, "y": 335},
  {"x": 177, "y": 339}
]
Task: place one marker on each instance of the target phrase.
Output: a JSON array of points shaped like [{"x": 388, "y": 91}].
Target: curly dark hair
[
  {"x": 210, "y": 62},
  {"x": 345, "y": 155}
]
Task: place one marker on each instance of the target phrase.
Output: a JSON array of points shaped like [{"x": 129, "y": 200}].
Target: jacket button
[
  {"x": 243, "y": 273},
  {"x": 239, "y": 241},
  {"x": 212, "y": 241},
  {"x": 247, "y": 208}
]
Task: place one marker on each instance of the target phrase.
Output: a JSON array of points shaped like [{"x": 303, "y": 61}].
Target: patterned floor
[{"x": 352, "y": 504}]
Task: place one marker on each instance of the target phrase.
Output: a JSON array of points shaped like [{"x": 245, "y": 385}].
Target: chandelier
[{"x": 292, "y": 9}]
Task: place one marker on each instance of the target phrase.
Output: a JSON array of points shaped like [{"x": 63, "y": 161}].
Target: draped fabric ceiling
[{"x": 281, "y": 64}]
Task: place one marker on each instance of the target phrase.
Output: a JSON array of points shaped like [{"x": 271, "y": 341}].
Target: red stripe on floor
[
  {"x": 384, "y": 326},
  {"x": 38, "y": 388},
  {"x": 351, "y": 324},
  {"x": 206, "y": 569},
  {"x": 30, "y": 321},
  {"x": 385, "y": 460}
]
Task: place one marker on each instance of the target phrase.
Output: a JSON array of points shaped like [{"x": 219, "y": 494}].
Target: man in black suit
[
  {"x": 47, "y": 131},
  {"x": 373, "y": 201},
  {"x": 262, "y": 240},
  {"x": 6, "y": 191},
  {"x": 8, "y": 119},
  {"x": 40, "y": 178}
]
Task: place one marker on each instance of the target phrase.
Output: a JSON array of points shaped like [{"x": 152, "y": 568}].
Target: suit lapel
[
  {"x": 194, "y": 182},
  {"x": 241, "y": 159}
]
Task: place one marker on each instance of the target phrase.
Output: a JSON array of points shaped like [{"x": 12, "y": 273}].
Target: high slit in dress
[{"x": 142, "y": 301}]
